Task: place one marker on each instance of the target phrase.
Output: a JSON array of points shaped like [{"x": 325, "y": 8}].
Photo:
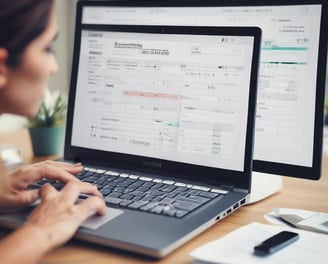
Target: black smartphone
[{"x": 276, "y": 242}]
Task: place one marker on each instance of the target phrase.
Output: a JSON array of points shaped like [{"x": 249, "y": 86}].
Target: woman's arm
[
  {"x": 55, "y": 220},
  {"x": 25, "y": 245}
]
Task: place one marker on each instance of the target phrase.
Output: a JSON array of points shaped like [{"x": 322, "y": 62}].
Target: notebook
[{"x": 162, "y": 118}]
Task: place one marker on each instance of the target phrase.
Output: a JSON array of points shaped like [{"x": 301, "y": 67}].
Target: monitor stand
[{"x": 263, "y": 186}]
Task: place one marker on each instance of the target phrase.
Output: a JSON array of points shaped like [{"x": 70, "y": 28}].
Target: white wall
[{"x": 63, "y": 48}]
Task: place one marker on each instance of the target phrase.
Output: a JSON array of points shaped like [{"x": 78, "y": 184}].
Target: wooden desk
[{"x": 296, "y": 193}]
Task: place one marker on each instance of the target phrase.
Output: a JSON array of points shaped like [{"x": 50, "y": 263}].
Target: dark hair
[{"x": 21, "y": 21}]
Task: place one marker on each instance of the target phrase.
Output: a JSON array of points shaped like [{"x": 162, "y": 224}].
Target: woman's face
[{"x": 25, "y": 84}]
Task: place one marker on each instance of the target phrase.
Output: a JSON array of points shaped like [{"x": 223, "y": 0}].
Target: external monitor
[{"x": 291, "y": 82}]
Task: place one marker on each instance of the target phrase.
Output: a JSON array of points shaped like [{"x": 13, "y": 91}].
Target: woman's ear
[{"x": 3, "y": 67}]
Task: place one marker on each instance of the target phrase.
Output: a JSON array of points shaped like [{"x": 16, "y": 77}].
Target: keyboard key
[
  {"x": 187, "y": 206},
  {"x": 105, "y": 192},
  {"x": 125, "y": 202},
  {"x": 180, "y": 213},
  {"x": 137, "y": 204},
  {"x": 148, "y": 206},
  {"x": 127, "y": 196},
  {"x": 115, "y": 194},
  {"x": 112, "y": 200},
  {"x": 208, "y": 194}
]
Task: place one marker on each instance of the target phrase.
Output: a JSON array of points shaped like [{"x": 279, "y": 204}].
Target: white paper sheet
[{"x": 237, "y": 247}]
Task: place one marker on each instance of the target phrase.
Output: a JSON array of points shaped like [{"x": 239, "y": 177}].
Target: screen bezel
[
  {"x": 240, "y": 179},
  {"x": 277, "y": 168}
]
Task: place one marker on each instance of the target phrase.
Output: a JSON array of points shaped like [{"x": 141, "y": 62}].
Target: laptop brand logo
[{"x": 152, "y": 164}]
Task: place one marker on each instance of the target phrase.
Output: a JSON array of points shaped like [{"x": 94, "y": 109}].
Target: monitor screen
[
  {"x": 181, "y": 97},
  {"x": 291, "y": 83}
]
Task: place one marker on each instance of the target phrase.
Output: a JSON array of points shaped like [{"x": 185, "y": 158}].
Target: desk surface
[{"x": 296, "y": 193}]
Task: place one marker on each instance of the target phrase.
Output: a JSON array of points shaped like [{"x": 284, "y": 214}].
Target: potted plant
[{"x": 47, "y": 128}]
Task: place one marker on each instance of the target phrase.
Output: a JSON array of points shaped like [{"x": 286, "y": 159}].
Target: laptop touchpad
[{"x": 95, "y": 221}]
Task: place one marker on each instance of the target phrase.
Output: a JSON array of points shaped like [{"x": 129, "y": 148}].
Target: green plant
[{"x": 52, "y": 111}]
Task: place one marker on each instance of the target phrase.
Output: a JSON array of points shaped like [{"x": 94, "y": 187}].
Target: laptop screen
[{"x": 178, "y": 97}]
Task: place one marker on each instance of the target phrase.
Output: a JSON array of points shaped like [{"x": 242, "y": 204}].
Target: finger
[
  {"x": 47, "y": 192},
  {"x": 25, "y": 198},
  {"x": 72, "y": 190},
  {"x": 59, "y": 163},
  {"x": 91, "y": 206},
  {"x": 52, "y": 172},
  {"x": 88, "y": 188},
  {"x": 29, "y": 196},
  {"x": 71, "y": 168},
  {"x": 28, "y": 175}
]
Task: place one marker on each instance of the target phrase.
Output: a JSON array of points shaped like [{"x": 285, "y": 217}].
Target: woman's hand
[
  {"x": 58, "y": 215},
  {"x": 53, "y": 222},
  {"x": 14, "y": 192}
]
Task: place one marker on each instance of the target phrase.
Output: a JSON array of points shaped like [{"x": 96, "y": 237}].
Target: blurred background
[{"x": 63, "y": 49}]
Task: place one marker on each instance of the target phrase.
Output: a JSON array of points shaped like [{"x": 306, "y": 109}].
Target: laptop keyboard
[{"x": 147, "y": 194}]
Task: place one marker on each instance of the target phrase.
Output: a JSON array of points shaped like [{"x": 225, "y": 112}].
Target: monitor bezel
[
  {"x": 277, "y": 168},
  {"x": 239, "y": 179}
]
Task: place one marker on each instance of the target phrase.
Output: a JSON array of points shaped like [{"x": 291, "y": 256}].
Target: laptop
[{"x": 162, "y": 118}]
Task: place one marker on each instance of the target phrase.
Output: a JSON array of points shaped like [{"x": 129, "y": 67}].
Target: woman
[{"x": 27, "y": 30}]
